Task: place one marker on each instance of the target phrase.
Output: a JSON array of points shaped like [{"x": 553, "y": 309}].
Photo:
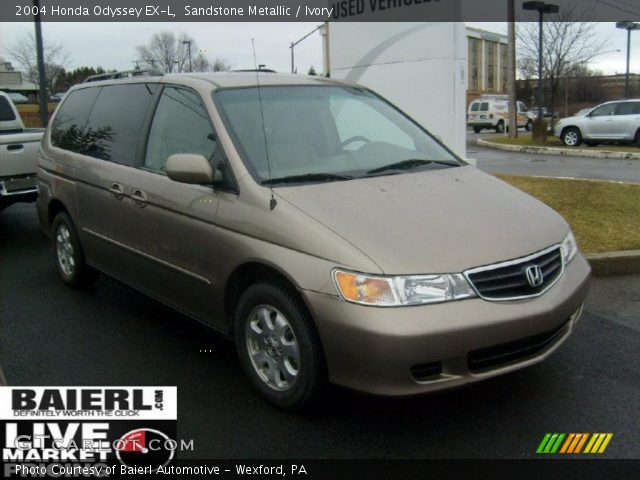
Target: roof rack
[
  {"x": 124, "y": 74},
  {"x": 263, "y": 70}
]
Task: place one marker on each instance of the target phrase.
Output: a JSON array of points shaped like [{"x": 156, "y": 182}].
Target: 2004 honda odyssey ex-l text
[{"x": 313, "y": 222}]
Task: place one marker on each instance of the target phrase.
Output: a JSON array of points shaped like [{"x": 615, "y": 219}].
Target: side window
[
  {"x": 180, "y": 125},
  {"x": 484, "y": 107},
  {"x": 6, "y": 112},
  {"x": 521, "y": 107},
  {"x": 604, "y": 110},
  {"x": 626, "y": 108},
  {"x": 67, "y": 131},
  {"x": 116, "y": 122},
  {"x": 355, "y": 119},
  {"x": 636, "y": 108},
  {"x": 475, "y": 106}
]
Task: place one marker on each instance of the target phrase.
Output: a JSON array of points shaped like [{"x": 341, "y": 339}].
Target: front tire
[
  {"x": 529, "y": 126},
  {"x": 477, "y": 129},
  {"x": 571, "y": 137},
  {"x": 70, "y": 259},
  {"x": 637, "y": 139},
  {"x": 278, "y": 346}
]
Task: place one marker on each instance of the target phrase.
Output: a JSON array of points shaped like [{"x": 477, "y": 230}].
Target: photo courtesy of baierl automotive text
[{"x": 381, "y": 239}]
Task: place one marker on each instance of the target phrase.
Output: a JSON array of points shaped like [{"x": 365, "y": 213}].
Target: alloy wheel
[
  {"x": 272, "y": 347},
  {"x": 65, "y": 251}
]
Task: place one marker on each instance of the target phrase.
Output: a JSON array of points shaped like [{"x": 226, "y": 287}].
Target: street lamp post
[
  {"x": 42, "y": 80},
  {"x": 188, "y": 43},
  {"x": 628, "y": 26},
  {"x": 541, "y": 8}
]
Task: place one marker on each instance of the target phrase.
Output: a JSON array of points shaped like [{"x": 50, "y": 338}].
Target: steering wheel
[{"x": 357, "y": 138}]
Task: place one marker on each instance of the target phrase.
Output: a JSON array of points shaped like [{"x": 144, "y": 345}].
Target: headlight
[
  {"x": 569, "y": 248},
  {"x": 402, "y": 290}
]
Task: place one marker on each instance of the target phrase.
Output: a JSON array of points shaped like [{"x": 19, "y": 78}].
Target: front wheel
[
  {"x": 477, "y": 129},
  {"x": 571, "y": 137},
  {"x": 529, "y": 126},
  {"x": 70, "y": 260},
  {"x": 278, "y": 346}
]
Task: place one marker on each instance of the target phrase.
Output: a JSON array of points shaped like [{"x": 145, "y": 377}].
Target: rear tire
[
  {"x": 278, "y": 346},
  {"x": 529, "y": 126},
  {"x": 637, "y": 139},
  {"x": 571, "y": 137},
  {"x": 500, "y": 127},
  {"x": 70, "y": 259},
  {"x": 477, "y": 129}
]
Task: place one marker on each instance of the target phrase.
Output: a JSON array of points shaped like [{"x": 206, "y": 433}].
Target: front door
[
  {"x": 599, "y": 124},
  {"x": 173, "y": 223}
]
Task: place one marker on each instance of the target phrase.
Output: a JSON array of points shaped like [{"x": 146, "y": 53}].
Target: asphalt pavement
[
  {"x": 499, "y": 161},
  {"x": 113, "y": 335}
]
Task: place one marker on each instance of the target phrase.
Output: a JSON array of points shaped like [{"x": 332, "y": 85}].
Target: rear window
[
  {"x": 67, "y": 131},
  {"x": 116, "y": 121},
  {"x": 475, "y": 106},
  {"x": 628, "y": 108},
  {"x": 6, "y": 112}
]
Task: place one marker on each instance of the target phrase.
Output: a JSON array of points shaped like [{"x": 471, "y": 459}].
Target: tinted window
[
  {"x": 180, "y": 125},
  {"x": 67, "y": 130},
  {"x": 475, "y": 106},
  {"x": 116, "y": 121},
  {"x": 484, "y": 106},
  {"x": 628, "y": 108},
  {"x": 6, "y": 112},
  {"x": 607, "y": 109}
]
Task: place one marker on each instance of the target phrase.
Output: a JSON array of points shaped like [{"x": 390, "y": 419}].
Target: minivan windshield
[{"x": 325, "y": 133}]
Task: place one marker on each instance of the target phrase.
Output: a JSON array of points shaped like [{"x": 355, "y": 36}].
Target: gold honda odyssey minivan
[{"x": 326, "y": 232}]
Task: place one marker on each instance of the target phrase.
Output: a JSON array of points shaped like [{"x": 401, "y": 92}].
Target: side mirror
[{"x": 189, "y": 168}]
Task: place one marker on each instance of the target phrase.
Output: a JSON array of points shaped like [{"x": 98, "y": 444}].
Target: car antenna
[{"x": 273, "y": 202}]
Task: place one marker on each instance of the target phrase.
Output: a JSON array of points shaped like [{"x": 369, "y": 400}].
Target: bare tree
[
  {"x": 566, "y": 46},
  {"x": 202, "y": 64},
  {"x": 170, "y": 53},
  {"x": 24, "y": 52},
  {"x": 165, "y": 51}
]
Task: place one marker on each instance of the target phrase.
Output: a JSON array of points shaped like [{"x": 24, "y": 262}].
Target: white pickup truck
[{"x": 18, "y": 156}]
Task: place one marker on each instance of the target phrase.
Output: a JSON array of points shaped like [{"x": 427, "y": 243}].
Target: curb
[
  {"x": 568, "y": 152},
  {"x": 614, "y": 263}
]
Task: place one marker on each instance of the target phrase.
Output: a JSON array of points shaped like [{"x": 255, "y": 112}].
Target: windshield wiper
[
  {"x": 410, "y": 163},
  {"x": 308, "y": 177}
]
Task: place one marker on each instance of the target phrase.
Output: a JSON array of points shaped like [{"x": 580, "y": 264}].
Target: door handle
[
  {"x": 117, "y": 191},
  {"x": 15, "y": 146},
  {"x": 139, "y": 197}
]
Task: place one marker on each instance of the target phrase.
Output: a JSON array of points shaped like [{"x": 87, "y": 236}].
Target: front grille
[
  {"x": 497, "y": 355},
  {"x": 508, "y": 280}
]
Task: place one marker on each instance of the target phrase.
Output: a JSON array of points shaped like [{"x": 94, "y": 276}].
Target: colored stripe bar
[
  {"x": 605, "y": 443},
  {"x": 590, "y": 444},
  {"x": 554, "y": 449},
  {"x": 550, "y": 443},
  {"x": 567, "y": 443},
  {"x": 581, "y": 444},
  {"x": 543, "y": 443}
]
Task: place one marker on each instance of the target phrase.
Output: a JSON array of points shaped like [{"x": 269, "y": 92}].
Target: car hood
[{"x": 434, "y": 221}]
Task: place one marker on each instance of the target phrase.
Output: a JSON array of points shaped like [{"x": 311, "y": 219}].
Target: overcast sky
[{"x": 112, "y": 45}]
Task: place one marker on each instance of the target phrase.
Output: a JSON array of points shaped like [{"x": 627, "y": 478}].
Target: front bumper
[
  {"x": 411, "y": 350},
  {"x": 18, "y": 189}
]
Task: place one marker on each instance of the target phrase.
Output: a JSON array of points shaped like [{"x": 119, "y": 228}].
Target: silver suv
[{"x": 609, "y": 122}]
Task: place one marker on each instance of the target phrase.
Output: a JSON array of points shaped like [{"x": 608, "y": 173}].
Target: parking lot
[
  {"x": 113, "y": 335},
  {"x": 515, "y": 163}
]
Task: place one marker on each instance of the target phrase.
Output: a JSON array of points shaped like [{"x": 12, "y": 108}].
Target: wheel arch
[{"x": 247, "y": 274}]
